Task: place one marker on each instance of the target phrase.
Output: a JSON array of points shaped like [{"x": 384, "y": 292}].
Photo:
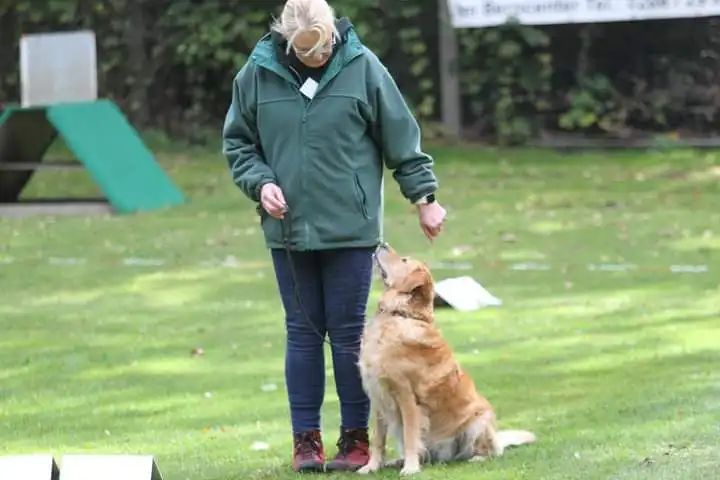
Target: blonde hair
[{"x": 300, "y": 16}]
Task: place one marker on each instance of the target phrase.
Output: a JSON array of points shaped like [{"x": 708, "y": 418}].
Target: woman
[{"x": 313, "y": 115}]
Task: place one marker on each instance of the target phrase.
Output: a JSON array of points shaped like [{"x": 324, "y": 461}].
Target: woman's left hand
[{"x": 432, "y": 217}]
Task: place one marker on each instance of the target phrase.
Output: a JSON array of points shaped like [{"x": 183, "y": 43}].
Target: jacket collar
[{"x": 268, "y": 53}]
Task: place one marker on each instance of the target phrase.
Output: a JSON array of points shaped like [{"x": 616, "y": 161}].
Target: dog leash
[{"x": 285, "y": 223}]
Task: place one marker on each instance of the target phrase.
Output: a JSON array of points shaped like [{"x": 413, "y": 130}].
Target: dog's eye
[{"x": 404, "y": 260}]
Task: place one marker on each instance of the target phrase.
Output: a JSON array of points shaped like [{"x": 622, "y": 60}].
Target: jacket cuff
[
  {"x": 261, "y": 184},
  {"x": 417, "y": 198}
]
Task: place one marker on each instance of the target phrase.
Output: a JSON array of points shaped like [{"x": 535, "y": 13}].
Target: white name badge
[{"x": 309, "y": 88}]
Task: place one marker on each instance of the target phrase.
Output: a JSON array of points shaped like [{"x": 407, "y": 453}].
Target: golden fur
[{"x": 419, "y": 393}]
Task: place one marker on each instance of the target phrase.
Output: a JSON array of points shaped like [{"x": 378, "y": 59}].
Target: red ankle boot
[
  {"x": 308, "y": 452},
  {"x": 353, "y": 450}
]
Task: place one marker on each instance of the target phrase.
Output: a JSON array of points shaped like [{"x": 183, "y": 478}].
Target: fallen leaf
[
  {"x": 230, "y": 262},
  {"x": 673, "y": 448},
  {"x": 257, "y": 446},
  {"x": 508, "y": 237},
  {"x": 457, "y": 251}
]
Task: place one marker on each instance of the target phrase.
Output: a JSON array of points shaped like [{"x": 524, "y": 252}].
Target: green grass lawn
[{"x": 618, "y": 372}]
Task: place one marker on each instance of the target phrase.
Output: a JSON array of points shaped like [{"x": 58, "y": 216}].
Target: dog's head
[{"x": 409, "y": 286}]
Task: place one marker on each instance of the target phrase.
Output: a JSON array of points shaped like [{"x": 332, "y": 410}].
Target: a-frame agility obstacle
[{"x": 60, "y": 100}]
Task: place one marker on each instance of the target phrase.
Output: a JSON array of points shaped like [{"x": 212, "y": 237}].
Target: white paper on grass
[{"x": 465, "y": 294}]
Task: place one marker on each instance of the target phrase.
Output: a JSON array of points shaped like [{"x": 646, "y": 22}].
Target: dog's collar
[{"x": 394, "y": 312}]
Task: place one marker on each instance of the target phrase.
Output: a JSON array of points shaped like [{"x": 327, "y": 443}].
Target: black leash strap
[{"x": 298, "y": 298}]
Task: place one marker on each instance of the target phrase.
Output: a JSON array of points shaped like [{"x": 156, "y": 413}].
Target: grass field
[{"x": 616, "y": 368}]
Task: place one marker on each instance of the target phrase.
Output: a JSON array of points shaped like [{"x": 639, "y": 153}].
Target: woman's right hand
[{"x": 273, "y": 200}]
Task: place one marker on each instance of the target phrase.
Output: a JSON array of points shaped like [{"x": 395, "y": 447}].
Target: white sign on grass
[
  {"x": 57, "y": 68},
  {"x": 489, "y": 13}
]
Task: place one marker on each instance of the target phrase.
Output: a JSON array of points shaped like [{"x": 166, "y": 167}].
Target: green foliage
[
  {"x": 170, "y": 63},
  {"x": 512, "y": 81},
  {"x": 594, "y": 103}
]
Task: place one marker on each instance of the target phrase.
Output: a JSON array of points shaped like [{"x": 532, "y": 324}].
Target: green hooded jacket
[{"x": 325, "y": 153}]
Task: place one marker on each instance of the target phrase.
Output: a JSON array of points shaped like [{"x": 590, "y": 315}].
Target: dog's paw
[
  {"x": 370, "y": 467},
  {"x": 410, "y": 470},
  {"x": 478, "y": 458}
]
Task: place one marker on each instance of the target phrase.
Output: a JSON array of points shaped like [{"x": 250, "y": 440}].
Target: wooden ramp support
[{"x": 29, "y": 467}]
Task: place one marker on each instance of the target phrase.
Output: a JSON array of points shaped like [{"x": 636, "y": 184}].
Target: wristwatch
[{"x": 426, "y": 199}]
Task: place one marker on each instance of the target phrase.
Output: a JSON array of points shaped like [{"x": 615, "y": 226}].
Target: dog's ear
[{"x": 418, "y": 284}]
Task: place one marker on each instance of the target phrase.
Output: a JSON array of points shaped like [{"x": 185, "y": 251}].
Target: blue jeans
[{"x": 333, "y": 286}]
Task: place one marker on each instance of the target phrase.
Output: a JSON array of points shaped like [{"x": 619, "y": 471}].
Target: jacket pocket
[{"x": 361, "y": 196}]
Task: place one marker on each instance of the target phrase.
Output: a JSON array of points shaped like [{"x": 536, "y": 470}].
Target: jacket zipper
[{"x": 302, "y": 179}]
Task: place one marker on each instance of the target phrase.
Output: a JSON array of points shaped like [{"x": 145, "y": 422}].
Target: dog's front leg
[
  {"x": 412, "y": 434},
  {"x": 377, "y": 444}
]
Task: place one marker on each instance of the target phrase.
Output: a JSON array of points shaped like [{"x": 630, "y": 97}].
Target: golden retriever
[{"x": 418, "y": 392}]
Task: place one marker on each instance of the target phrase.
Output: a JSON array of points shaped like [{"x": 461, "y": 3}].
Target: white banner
[{"x": 489, "y": 13}]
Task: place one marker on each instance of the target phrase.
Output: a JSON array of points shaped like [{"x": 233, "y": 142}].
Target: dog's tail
[{"x": 513, "y": 438}]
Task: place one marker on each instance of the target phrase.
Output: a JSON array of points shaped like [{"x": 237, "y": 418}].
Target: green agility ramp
[{"x": 103, "y": 142}]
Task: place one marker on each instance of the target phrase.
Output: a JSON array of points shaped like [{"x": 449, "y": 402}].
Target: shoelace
[
  {"x": 307, "y": 445},
  {"x": 346, "y": 443}
]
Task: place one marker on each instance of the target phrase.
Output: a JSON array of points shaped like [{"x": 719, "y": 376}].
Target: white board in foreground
[
  {"x": 28, "y": 467},
  {"x": 465, "y": 294},
  {"x": 109, "y": 467}
]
